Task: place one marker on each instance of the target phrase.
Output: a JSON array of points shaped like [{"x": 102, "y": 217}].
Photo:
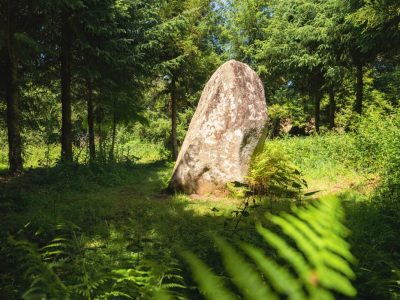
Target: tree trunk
[
  {"x": 174, "y": 139},
  {"x": 90, "y": 120},
  {"x": 66, "y": 57},
  {"x": 317, "y": 108},
  {"x": 13, "y": 114},
  {"x": 114, "y": 131},
  {"x": 101, "y": 140},
  {"x": 359, "y": 89},
  {"x": 332, "y": 108}
]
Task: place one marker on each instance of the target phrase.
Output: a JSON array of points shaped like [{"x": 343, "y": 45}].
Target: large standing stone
[{"x": 227, "y": 127}]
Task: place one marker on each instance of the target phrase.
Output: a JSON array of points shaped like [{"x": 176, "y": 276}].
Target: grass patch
[
  {"x": 124, "y": 219},
  {"x": 328, "y": 163},
  {"x": 125, "y": 222}
]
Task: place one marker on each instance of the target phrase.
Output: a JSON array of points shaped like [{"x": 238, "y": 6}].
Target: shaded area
[
  {"x": 125, "y": 222},
  {"x": 122, "y": 224}
]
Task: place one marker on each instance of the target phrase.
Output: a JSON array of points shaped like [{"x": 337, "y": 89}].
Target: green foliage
[
  {"x": 73, "y": 266},
  {"x": 377, "y": 139},
  {"x": 272, "y": 172},
  {"x": 120, "y": 210},
  {"x": 369, "y": 148},
  {"x": 238, "y": 190},
  {"x": 317, "y": 267},
  {"x": 242, "y": 24},
  {"x": 157, "y": 131},
  {"x": 379, "y": 265},
  {"x": 366, "y": 158},
  {"x": 44, "y": 282},
  {"x": 374, "y": 243},
  {"x": 131, "y": 59}
]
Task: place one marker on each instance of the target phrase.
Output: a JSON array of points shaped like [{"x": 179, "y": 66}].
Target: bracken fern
[
  {"x": 70, "y": 266},
  {"x": 272, "y": 172},
  {"x": 313, "y": 259}
]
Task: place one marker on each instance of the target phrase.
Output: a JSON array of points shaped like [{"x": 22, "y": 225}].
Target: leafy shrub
[
  {"x": 272, "y": 172},
  {"x": 316, "y": 259}
]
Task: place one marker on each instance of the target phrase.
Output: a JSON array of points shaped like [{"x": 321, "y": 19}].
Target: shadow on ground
[
  {"x": 125, "y": 218},
  {"x": 122, "y": 214}
]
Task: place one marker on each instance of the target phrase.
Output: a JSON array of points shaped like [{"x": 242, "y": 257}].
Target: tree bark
[
  {"x": 101, "y": 140},
  {"x": 174, "y": 117},
  {"x": 66, "y": 57},
  {"x": 13, "y": 113},
  {"x": 90, "y": 120},
  {"x": 114, "y": 131},
  {"x": 359, "y": 89},
  {"x": 332, "y": 108}
]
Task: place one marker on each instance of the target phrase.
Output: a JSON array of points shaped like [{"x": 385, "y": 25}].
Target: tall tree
[
  {"x": 242, "y": 24},
  {"x": 8, "y": 19},
  {"x": 186, "y": 55},
  {"x": 115, "y": 59},
  {"x": 90, "y": 119},
  {"x": 370, "y": 30},
  {"x": 65, "y": 73},
  {"x": 295, "y": 46},
  {"x": 18, "y": 19}
]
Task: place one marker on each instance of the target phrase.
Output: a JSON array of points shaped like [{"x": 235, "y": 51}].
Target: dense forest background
[
  {"x": 99, "y": 94},
  {"x": 79, "y": 73}
]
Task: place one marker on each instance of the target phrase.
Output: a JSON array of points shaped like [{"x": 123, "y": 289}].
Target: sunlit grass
[
  {"x": 123, "y": 209},
  {"x": 328, "y": 163}
]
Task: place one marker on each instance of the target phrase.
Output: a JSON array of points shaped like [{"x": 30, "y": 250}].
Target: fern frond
[
  {"x": 172, "y": 286},
  {"x": 279, "y": 277},
  {"x": 211, "y": 285},
  {"x": 44, "y": 282},
  {"x": 243, "y": 274},
  {"x": 288, "y": 253},
  {"x": 113, "y": 294},
  {"x": 314, "y": 251}
]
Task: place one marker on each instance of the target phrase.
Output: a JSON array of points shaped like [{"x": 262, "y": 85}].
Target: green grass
[
  {"x": 127, "y": 221},
  {"x": 328, "y": 163},
  {"x": 116, "y": 206},
  {"x": 41, "y": 155}
]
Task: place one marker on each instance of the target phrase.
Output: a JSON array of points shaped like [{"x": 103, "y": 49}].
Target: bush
[{"x": 272, "y": 172}]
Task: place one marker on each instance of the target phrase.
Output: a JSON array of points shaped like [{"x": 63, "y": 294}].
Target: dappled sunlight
[
  {"x": 134, "y": 225},
  {"x": 199, "y": 149}
]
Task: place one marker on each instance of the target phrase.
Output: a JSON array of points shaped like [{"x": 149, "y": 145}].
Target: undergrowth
[
  {"x": 317, "y": 267},
  {"x": 103, "y": 230},
  {"x": 64, "y": 263}
]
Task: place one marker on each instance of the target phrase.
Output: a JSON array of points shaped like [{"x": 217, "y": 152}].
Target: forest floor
[
  {"x": 124, "y": 206},
  {"x": 80, "y": 198}
]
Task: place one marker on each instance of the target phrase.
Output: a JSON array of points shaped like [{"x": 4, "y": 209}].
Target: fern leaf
[
  {"x": 334, "y": 261},
  {"x": 210, "y": 285},
  {"x": 172, "y": 286},
  {"x": 279, "y": 277},
  {"x": 337, "y": 282},
  {"x": 301, "y": 241},
  {"x": 243, "y": 274},
  {"x": 320, "y": 259},
  {"x": 285, "y": 251},
  {"x": 113, "y": 294}
]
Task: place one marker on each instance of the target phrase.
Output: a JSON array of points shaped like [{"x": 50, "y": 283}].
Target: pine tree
[{"x": 187, "y": 58}]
